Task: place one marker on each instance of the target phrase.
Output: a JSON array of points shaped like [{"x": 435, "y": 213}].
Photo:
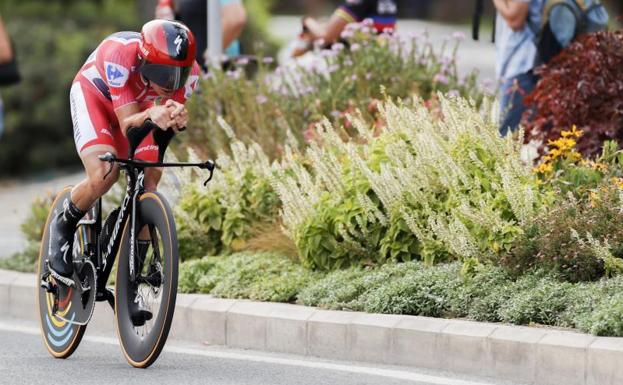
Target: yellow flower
[
  {"x": 617, "y": 182},
  {"x": 593, "y": 198},
  {"x": 574, "y": 155},
  {"x": 543, "y": 168},
  {"x": 599, "y": 166},
  {"x": 574, "y": 132}
]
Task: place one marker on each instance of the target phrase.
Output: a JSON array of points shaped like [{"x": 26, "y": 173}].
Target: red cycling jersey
[{"x": 108, "y": 80}]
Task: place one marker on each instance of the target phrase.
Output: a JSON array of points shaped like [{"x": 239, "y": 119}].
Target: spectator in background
[
  {"x": 194, "y": 14},
  {"x": 383, "y": 14},
  {"x": 8, "y": 67},
  {"x": 516, "y": 56}
]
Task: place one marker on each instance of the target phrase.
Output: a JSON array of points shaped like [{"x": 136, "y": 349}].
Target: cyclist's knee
[
  {"x": 152, "y": 178},
  {"x": 99, "y": 182}
]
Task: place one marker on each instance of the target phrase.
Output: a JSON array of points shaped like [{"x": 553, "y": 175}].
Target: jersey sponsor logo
[
  {"x": 190, "y": 86},
  {"x": 117, "y": 75}
]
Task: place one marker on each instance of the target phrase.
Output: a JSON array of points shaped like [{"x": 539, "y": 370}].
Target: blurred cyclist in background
[
  {"x": 194, "y": 14},
  {"x": 383, "y": 14}
]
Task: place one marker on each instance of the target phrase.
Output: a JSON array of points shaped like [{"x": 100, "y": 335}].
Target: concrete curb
[{"x": 528, "y": 355}]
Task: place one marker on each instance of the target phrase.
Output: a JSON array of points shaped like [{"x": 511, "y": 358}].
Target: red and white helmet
[{"x": 168, "y": 52}]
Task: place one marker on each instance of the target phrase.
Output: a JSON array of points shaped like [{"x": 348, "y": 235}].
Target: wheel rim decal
[
  {"x": 58, "y": 333},
  {"x": 58, "y": 323},
  {"x": 63, "y": 303},
  {"x": 64, "y": 341}
]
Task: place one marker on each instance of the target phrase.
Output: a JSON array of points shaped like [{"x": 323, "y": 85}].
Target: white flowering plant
[{"x": 436, "y": 184}]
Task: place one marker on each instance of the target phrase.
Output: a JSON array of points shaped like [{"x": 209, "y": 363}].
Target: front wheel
[{"x": 156, "y": 281}]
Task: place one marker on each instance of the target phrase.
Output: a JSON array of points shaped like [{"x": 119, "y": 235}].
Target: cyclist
[
  {"x": 383, "y": 14},
  {"x": 129, "y": 78}
]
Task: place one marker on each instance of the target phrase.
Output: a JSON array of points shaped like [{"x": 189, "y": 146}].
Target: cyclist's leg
[{"x": 93, "y": 137}]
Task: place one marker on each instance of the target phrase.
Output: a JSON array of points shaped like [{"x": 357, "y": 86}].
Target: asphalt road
[{"x": 98, "y": 360}]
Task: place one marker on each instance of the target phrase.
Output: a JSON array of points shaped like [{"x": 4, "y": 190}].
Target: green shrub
[
  {"x": 52, "y": 39},
  {"x": 344, "y": 289},
  {"x": 219, "y": 218},
  {"x": 350, "y": 203},
  {"x": 486, "y": 307},
  {"x": 426, "y": 292},
  {"x": 263, "y": 277},
  {"x": 607, "y": 318},
  {"x": 581, "y": 239},
  {"x": 24, "y": 261},
  {"x": 541, "y": 304}
]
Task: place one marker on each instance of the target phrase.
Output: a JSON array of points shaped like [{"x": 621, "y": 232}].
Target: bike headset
[{"x": 167, "y": 52}]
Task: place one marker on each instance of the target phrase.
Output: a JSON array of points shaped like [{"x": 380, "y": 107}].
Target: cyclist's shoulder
[{"x": 120, "y": 47}]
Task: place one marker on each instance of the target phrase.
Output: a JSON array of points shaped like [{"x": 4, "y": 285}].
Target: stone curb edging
[{"x": 523, "y": 354}]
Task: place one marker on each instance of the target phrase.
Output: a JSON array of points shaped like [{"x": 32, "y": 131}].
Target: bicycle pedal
[{"x": 49, "y": 288}]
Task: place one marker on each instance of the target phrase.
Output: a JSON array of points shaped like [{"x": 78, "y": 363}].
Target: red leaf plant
[{"x": 582, "y": 86}]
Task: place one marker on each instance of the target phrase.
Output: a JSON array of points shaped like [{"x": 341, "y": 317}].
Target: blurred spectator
[
  {"x": 8, "y": 67},
  {"x": 381, "y": 12},
  {"x": 194, "y": 14},
  {"x": 516, "y": 56}
]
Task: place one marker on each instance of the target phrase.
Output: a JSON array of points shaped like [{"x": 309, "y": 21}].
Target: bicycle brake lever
[
  {"x": 107, "y": 157},
  {"x": 210, "y": 165}
]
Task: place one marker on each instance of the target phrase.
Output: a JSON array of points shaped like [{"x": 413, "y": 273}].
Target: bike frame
[{"x": 104, "y": 259}]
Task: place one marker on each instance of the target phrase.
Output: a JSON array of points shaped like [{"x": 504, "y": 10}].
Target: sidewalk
[{"x": 495, "y": 351}]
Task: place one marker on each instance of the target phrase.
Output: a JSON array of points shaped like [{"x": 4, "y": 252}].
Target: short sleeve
[
  {"x": 354, "y": 10},
  {"x": 116, "y": 74}
]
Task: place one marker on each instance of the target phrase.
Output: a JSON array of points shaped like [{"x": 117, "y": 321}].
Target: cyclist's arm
[
  {"x": 514, "y": 12},
  {"x": 233, "y": 20},
  {"x": 130, "y": 115},
  {"x": 329, "y": 32}
]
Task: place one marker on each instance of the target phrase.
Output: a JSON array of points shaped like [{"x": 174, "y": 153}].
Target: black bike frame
[
  {"x": 106, "y": 255},
  {"x": 135, "y": 176}
]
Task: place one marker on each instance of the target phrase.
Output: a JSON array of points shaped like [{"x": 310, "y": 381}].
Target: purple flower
[
  {"x": 337, "y": 47},
  {"x": 347, "y": 33},
  {"x": 355, "y": 47},
  {"x": 441, "y": 78},
  {"x": 268, "y": 60},
  {"x": 458, "y": 36},
  {"x": 369, "y": 76},
  {"x": 336, "y": 114},
  {"x": 348, "y": 62},
  {"x": 261, "y": 99},
  {"x": 327, "y": 53},
  {"x": 368, "y": 22},
  {"x": 242, "y": 61},
  {"x": 453, "y": 94},
  {"x": 333, "y": 68},
  {"x": 353, "y": 77},
  {"x": 233, "y": 74}
]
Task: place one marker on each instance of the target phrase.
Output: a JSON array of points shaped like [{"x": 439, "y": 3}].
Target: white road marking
[{"x": 389, "y": 373}]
